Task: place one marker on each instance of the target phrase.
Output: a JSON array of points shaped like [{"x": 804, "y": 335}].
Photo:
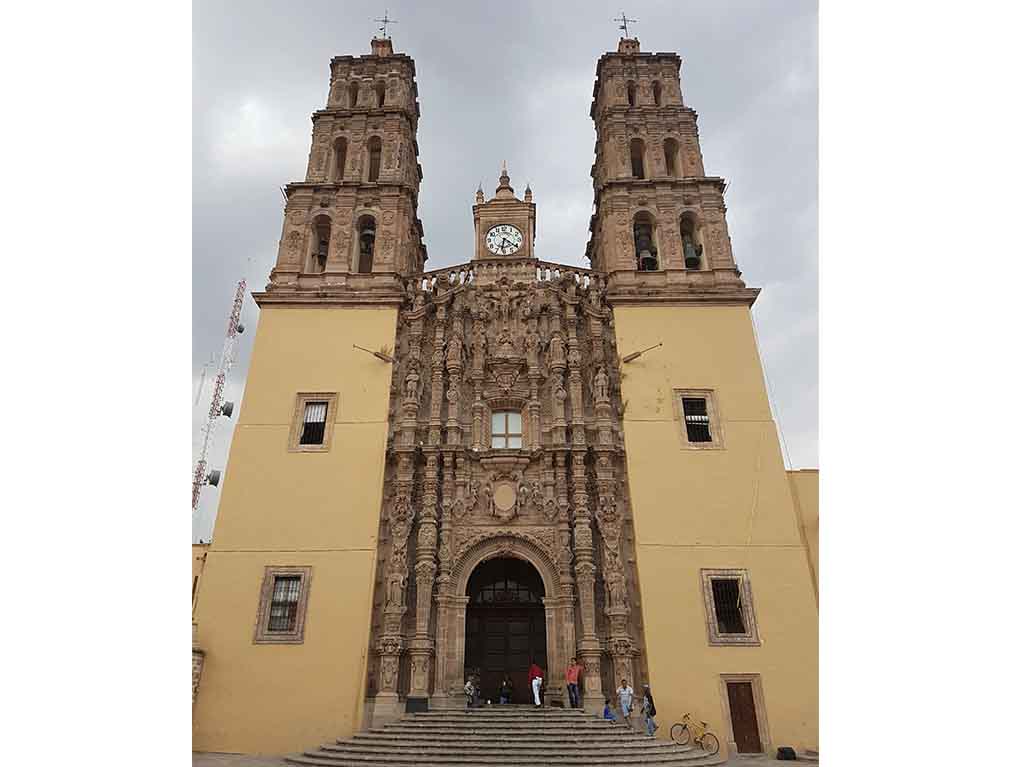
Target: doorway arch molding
[
  {"x": 529, "y": 546},
  {"x": 504, "y": 543}
]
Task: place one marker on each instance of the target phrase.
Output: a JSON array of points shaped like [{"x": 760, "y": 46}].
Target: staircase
[{"x": 511, "y": 736}]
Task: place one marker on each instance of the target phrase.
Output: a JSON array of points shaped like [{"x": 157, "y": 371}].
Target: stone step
[
  {"x": 582, "y": 723},
  {"x": 319, "y": 759},
  {"x": 540, "y": 750},
  {"x": 611, "y": 736}
]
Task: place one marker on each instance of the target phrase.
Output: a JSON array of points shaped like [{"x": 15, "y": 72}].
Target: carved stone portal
[{"x": 504, "y": 341}]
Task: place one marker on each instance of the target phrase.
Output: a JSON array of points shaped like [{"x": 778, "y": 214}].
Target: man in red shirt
[
  {"x": 572, "y": 681},
  {"x": 536, "y": 678}
]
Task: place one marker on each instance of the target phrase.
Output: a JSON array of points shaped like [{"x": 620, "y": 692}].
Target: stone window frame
[
  {"x": 270, "y": 575},
  {"x": 295, "y": 433},
  {"x": 759, "y": 709},
  {"x": 506, "y": 404},
  {"x": 715, "y": 425},
  {"x": 751, "y": 638}
]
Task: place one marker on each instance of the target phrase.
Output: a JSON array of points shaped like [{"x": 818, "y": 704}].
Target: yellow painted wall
[
  {"x": 198, "y": 560},
  {"x": 729, "y": 508},
  {"x": 804, "y": 483},
  {"x": 292, "y": 508}
]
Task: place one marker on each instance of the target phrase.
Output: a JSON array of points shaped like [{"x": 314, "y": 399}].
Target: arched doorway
[{"x": 505, "y": 625}]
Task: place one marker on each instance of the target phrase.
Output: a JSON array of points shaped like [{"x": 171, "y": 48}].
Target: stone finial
[
  {"x": 381, "y": 46},
  {"x": 528, "y": 194},
  {"x": 629, "y": 45},
  {"x": 480, "y": 193},
  {"x": 504, "y": 189}
]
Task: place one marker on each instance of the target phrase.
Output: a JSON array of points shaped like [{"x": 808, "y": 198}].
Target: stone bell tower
[
  {"x": 659, "y": 224},
  {"x": 351, "y": 227}
]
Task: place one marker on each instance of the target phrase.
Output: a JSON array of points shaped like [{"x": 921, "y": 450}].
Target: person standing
[
  {"x": 470, "y": 691},
  {"x": 536, "y": 679},
  {"x": 648, "y": 711},
  {"x": 505, "y": 693},
  {"x": 572, "y": 682},
  {"x": 625, "y": 693}
]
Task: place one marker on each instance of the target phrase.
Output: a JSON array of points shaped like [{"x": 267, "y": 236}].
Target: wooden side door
[{"x": 744, "y": 717}]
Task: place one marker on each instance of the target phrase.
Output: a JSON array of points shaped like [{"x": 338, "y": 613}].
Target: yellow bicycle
[{"x": 682, "y": 732}]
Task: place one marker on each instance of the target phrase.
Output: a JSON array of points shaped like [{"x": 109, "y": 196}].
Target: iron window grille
[
  {"x": 698, "y": 422},
  {"x": 314, "y": 421},
  {"x": 284, "y": 603},
  {"x": 728, "y": 605},
  {"x": 506, "y": 430}
]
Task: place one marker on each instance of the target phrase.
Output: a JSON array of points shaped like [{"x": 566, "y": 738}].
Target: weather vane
[
  {"x": 624, "y": 26},
  {"x": 385, "y": 21}
]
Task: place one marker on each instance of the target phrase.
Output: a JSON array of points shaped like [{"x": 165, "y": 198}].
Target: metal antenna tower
[{"x": 218, "y": 406}]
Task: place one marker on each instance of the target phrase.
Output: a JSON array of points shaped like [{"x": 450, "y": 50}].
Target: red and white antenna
[{"x": 218, "y": 406}]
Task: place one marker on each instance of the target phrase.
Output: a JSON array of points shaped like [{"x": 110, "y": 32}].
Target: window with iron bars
[
  {"x": 728, "y": 605},
  {"x": 314, "y": 420},
  {"x": 284, "y": 603},
  {"x": 698, "y": 422}
]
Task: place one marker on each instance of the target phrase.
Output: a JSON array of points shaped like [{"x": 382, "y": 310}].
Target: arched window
[
  {"x": 321, "y": 244},
  {"x": 631, "y": 93},
  {"x": 340, "y": 155},
  {"x": 636, "y": 157},
  {"x": 353, "y": 94},
  {"x": 693, "y": 249},
  {"x": 506, "y": 429},
  {"x": 672, "y": 157},
  {"x": 643, "y": 241},
  {"x": 656, "y": 89},
  {"x": 367, "y": 229},
  {"x": 379, "y": 90},
  {"x": 373, "y": 158}
]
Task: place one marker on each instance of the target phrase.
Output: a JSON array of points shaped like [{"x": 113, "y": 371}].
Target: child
[{"x": 608, "y": 713}]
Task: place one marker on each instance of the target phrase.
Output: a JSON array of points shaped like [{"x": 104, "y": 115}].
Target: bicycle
[{"x": 686, "y": 729}]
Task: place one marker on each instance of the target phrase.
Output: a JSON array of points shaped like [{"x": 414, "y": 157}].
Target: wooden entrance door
[
  {"x": 744, "y": 717},
  {"x": 503, "y": 640}
]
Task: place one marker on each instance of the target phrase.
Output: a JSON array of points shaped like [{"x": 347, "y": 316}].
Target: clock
[{"x": 503, "y": 239}]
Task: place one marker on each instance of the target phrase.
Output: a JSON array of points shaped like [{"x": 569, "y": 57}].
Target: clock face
[{"x": 503, "y": 239}]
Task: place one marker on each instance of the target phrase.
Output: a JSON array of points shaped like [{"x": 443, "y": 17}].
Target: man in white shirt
[{"x": 625, "y": 693}]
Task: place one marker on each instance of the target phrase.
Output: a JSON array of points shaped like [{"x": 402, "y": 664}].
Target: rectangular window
[
  {"x": 284, "y": 596},
  {"x": 506, "y": 430},
  {"x": 729, "y": 607},
  {"x": 701, "y": 421},
  {"x": 314, "y": 420},
  {"x": 698, "y": 424},
  {"x": 284, "y": 604}
]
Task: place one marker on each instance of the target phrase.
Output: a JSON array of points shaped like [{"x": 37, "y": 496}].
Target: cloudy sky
[{"x": 511, "y": 82}]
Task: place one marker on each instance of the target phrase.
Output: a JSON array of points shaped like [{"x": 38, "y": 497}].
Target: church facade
[{"x": 512, "y": 460}]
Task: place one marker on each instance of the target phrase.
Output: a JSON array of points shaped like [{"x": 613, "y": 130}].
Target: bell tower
[
  {"x": 659, "y": 225},
  {"x": 351, "y": 229}
]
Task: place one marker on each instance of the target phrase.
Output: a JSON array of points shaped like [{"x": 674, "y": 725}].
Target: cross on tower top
[
  {"x": 624, "y": 25},
  {"x": 383, "y": 28}
]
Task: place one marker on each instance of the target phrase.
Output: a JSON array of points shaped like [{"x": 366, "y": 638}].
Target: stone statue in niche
[
  {"x": 505, "y": 345},
  {"x": 396, "y": 589},
  {"x": 412, "y": 384},
  {"x": 616, "y": 583},
  {"x": 601, "y": 385},
  {"x": 556, "y": 355},
  {"x": 533, "y": 343}
]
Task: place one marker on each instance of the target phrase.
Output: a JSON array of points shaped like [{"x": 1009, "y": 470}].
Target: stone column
[
  {"x": 421, "y": 649},
  {"x": 589, "y": 651}
]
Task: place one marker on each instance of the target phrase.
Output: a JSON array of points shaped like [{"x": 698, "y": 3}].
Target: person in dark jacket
[
  {"x": 505, "y": 693},
  {"x": 648, "y": 711}
]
